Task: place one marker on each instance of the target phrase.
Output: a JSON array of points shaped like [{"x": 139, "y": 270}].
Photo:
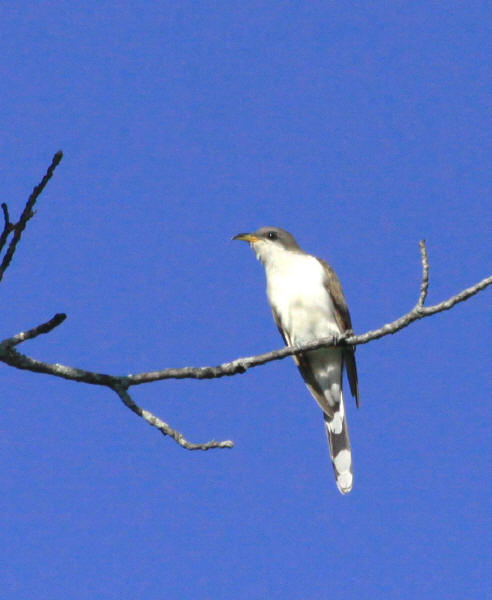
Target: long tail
[{"x": 340, "y": 451}]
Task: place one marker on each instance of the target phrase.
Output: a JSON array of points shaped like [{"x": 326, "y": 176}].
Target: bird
[{"x": 307, "y": 303}]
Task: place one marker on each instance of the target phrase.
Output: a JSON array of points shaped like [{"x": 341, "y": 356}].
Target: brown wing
[
  {"x": 304, "y": 367},
  {"x": 342, "y": 315}
]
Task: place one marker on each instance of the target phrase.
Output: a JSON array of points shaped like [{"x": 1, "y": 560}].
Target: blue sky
[{"x": 361, "y": 128}]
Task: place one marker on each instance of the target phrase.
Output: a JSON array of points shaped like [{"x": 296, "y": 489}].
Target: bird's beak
[{"x": 246, "y": 237}]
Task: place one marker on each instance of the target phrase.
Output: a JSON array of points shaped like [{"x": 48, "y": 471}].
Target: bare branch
[
  {"x": 16, "y": 359},
  {"x": 27, "y": 214},
  {"x": 120, "y": 384},
  {"x": 164, "y": 428},
  {"x": 35, "y": 331},
  {"x": 240, "y": 365},
  {"x": 7, "y": 226},
  {"x": 6, "y": 218},
  {"x": 424, "y": 286}
]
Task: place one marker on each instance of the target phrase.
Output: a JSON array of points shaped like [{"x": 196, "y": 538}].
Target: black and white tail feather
[
  {"x": 340, "y": 451},
  {"x": 329, "y": 397}
]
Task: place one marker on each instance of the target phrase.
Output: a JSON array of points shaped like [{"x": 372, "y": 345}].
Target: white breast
[{"x": 296, "y": 292}]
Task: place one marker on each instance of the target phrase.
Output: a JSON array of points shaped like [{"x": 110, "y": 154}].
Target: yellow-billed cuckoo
[{"x": 307, "y": 304}]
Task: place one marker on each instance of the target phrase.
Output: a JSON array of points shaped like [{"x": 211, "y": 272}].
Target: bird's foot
[
  {"x": 341, "y": 338},
  {"x": 337, "y": 338}
]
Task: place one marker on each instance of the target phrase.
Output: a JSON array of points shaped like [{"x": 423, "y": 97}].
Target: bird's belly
[
  {"x": 308, "y": 321},
  {"x": 303, "y": 305}
]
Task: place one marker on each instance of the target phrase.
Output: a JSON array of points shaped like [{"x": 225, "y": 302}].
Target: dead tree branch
[
  {"x": 424, "y": 285},
  {"x": 120, "y": 384},
  {"x": 27, "y": 213},
  {"x": 163, "y": 427}
]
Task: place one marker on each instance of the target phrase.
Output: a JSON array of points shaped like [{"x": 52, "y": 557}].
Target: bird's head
[{"x": 268, "y": 242}]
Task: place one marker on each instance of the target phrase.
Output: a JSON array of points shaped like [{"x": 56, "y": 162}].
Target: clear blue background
[{"x": 361, "y": 127}]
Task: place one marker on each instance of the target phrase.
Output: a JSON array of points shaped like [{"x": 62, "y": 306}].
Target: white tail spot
[
  {"x": 343, "y": 461},
  {"x": 344, "y": 482}
]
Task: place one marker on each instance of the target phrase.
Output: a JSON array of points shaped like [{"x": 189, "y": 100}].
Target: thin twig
[
  {"x": 27, "y": 213},
  {"x": 424, "y": 286},
  {"x": 7, "y": 226},
  {"x": 166, "y": 429},
  {"x": 6, "y": 218},
  {"x": 35, "y": 331}
]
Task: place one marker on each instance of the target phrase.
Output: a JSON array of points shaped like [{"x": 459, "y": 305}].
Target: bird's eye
[{"x": 272, "y": 235}]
